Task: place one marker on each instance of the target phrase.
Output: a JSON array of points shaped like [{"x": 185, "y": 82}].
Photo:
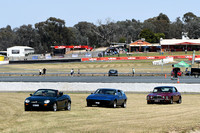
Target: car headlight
[
  {"x": 167, "y": 97},
  {"x": 46, "y": 101},
  {"x": 163, "y": 97},
  {"x": 151, "y": 97},
  {"x": 27, "y": 101}
]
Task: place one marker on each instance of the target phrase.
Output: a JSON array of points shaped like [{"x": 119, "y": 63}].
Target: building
[
  {"x": 141, "y": 46},
  {"x": 184, "y": 44},
  {"x": 19, "y": 52}
]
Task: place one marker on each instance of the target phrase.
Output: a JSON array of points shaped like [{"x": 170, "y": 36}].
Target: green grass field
[{"x": 138, "y": 117}]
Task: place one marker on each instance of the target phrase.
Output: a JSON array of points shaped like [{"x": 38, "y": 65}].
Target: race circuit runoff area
[{"x": 91, "y": 87}]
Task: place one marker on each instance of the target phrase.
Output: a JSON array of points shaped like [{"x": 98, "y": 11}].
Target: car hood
[
  {"x": 101, "y": 97},
  {"x": 160, "y": 94},
  {"x": 40, "y": 98}
]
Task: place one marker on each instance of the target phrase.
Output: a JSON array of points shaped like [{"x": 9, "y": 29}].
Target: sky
[{"x": 23, "y": 12}]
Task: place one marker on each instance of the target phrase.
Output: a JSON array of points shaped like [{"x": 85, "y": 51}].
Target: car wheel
[
  {"x": 68, "y": 106},
  {"x": 89, "y": 105},
  {"x": 124, "y": 104},
  {"x": 171, "y": 101},
  {"x": 114, "y": 104},
  {"x": 55, "y": 108},
  {"x": 179, "y": 100}
]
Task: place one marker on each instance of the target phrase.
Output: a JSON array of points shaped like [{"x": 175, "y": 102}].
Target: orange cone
[
  {"x": 165, "y": 75},
  {"x": 178, "y": 80}
]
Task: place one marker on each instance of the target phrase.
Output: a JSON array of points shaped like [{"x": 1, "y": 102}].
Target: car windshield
[
  {"x": 46, "y": 93},
  {"x": 162, "y": 89},
  {"x": 105, "y": 91}
]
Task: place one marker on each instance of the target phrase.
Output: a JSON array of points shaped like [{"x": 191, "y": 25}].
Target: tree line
[{"x": 54, "y": 32}]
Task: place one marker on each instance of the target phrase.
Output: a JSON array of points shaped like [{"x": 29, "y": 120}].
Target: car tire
[
  {"x": 179, "y": 100},
  {"x": 171, "y": 101},
  {"x": 124, "y": 104},
  {"x": 68, "y": 106},
  {"x": 89, "y": 105},
  {"x": 55, "y": 107},
  {"x": 114, "y": 104}
]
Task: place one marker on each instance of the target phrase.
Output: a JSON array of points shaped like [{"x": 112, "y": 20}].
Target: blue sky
[{"x": 19, "y": 12}]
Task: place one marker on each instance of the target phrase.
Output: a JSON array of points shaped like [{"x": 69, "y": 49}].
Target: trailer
[{"x": 195, "y": 72}]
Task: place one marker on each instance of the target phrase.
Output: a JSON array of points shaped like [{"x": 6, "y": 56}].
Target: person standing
[
  {"x": 44, "y": 71},
  {"x": 133, "y": 71},
  {"x": 40, "y": 71},
  {"x": 79, "y": 72},
  {"x": 72, "y": 72}
]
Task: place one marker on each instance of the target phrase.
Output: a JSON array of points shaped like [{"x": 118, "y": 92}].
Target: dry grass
[
  {"x": 90, "y": 67},
  {"x": 137, "y": 117}
]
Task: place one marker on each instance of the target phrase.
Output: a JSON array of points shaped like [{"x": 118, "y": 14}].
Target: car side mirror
[
  {"x": 60, "y": 94},
  {"x": 31, "y": 94}
]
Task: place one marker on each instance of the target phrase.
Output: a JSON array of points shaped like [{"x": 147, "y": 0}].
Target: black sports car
[
  {"x": 47, "y": 99},
  {"x": 107, "y": 97},
  {"x": 112, "y": 72}
]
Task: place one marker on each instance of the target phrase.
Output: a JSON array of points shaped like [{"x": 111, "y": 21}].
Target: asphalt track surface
[{"x": 101, "y": 79}]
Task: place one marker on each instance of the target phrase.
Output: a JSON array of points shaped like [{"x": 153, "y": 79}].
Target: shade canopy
[{"x": 182, "y": 64}]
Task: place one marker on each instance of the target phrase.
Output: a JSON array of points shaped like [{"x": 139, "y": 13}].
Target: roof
[
  {"x": 20, "y": 47},
  {"x": 139, "y": 43},
  {"x": 142, "y": 43},
  {"x": 180, "y": 42}
]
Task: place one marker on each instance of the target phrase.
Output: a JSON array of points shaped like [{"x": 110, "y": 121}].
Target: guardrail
[{"x": 83, "y": 74}]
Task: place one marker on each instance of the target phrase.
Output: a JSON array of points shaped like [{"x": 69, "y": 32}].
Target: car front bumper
[
  {"x": 158, "y": 100},
  {"x": 38, "y": 106},
  {"x": 100, "y": 102}
]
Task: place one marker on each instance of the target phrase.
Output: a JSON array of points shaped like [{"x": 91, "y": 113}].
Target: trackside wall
[{"x": 82, "y": 87}]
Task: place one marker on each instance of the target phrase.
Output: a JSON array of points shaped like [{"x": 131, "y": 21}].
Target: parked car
[
  {"x": 107, "y": 97},
  {"x": 112, "y": 72},
  {"x": 164, "y": 94},
  {"x": 47, "y": 99},
  {"x": 176, "y": 72}
]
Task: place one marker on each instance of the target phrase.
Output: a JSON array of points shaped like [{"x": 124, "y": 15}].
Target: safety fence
[{"x": 138, "y": 58}]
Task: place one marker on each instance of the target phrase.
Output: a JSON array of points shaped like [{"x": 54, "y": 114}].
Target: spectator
[
  {"x": 78, "y": 71},
  {"x": 72, "y": 72},
  {"x": 133, "y": 71},
  {"x": 44, "y": 71},
  {"x": 40, "y": 71}
]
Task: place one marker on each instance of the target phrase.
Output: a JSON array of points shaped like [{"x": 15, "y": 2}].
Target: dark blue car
[
  {"x": 47, "y": 99},
  {"x": 107, "y": 97}
]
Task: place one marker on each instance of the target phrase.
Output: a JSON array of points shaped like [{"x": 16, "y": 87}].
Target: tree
[
  {"x": 52, "y": 32},
  {"x": 25, "y": 36},
  {"x": 148, "y": 35},
  {"x": 176, "y": 28},
  {"x": 187, "y": 17},
  {"x": 7, "y": 37},
  {"x": 159, "y": 24}
]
